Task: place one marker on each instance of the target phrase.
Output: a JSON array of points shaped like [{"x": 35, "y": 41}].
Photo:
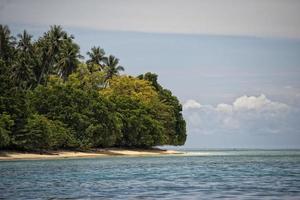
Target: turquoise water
[{"x": 198, "y": 175}]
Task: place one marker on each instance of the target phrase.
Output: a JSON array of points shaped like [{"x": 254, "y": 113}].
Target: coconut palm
[
  {"x": 51, "y": 44},
  {"x": 22, "y": 73},
  {"x": 24, "y": 43},
  {"x": 56, "y": 36},
  {"x": 68, "y": 59},
  {"x": 112, "y": 67},
  {"x": 96, "y": 57},
  {"x": 22, "y": 67},
  {"x": 7, "y": 43}
]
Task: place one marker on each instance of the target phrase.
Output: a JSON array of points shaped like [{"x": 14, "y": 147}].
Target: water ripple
[{"x": 197, "y": 175}]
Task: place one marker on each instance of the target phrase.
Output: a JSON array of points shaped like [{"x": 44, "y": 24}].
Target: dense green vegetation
[{"x": 51, "y": 99}]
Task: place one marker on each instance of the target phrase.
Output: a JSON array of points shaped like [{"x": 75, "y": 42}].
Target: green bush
[
  {"x": 41, "y": 133},
  {"x": 5, "y": 129}
]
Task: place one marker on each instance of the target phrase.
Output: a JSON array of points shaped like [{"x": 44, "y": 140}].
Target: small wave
[
  {"x": 191, "y": 153},
  {"x": 243, "y": 153}
]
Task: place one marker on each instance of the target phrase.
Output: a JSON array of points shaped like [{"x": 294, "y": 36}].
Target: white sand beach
[{"x": 16, "y": 155}]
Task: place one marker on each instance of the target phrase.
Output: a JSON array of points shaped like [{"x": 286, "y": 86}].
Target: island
[{"x": 53, "y": 100}]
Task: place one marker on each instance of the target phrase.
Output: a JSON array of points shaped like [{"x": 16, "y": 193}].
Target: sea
[{"x": 197, "y": 174}]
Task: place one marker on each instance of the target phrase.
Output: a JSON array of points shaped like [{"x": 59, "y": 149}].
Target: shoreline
[{"x": 66, "y": 154}]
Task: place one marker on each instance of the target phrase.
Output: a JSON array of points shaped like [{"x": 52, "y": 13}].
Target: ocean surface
[{"x": 206, "y": 174}]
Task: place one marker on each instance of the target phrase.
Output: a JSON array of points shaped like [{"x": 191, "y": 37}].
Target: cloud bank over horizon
[
  {"x": 259, "y": 18},
  {"x": 246, "y": 116}
]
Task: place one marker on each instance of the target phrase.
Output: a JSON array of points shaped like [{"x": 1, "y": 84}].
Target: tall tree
[
  {"x": 7, "y": 43},
  {"x": 22, "y": 68},
  {"x": 112, "y": 67},
  {"x": 50, "y": 45},
  {"x": 68, "y": 60},
  {"x": 24, "y": 43},
  {"x": 97, "y": 57}
]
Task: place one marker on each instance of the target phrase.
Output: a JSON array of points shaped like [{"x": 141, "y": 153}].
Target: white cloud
[
  {"x": 260, "y": 103},
  {"x": 247, "y": 114},
  {"x": 191, "y": 104},
  {"x": 224, "y": 108},
  {"x": 275, "y": 18}
]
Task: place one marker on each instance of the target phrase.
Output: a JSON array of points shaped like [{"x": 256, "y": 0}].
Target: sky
[{"x": 234, "y": 64}]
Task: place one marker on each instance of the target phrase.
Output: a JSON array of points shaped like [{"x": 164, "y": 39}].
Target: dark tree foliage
[
  {"x": 5, "y": 129},
  {"x": 40, "y": 133},
  {"x": 140, "y": 128},
  {"x": 7, "y": 42},
  {"x": 49, "y": 99},
  {"x": 90, "y": 117},
  {"x": 177, "y": 128}
]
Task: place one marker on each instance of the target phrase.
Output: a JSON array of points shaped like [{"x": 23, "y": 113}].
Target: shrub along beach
[{"x": 53, "y": 100}]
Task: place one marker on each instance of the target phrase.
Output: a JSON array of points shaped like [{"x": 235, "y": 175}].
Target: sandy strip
[{"x": 14, "y": 155}]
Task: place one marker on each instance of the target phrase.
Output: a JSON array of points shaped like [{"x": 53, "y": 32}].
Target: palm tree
[
  {"x": 24, "y": 43},
  {"x": 96, "y": 57},
  {"x": 22, "y": 73},
  {"x": 51, "y": 44},
  {"x": 7, "y": 43},
  {"x": 68, "y": 59},
  {"x": 22, "y": 67},
  {"x": 112, "y": 67},
  {"x": 56, "y": 36}
]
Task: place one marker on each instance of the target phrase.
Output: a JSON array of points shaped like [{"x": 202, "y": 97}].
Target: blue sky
[{"x": 239, "y": 84}]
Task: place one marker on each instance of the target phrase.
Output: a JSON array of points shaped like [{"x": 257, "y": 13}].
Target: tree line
[{"x": 52, "y": 99}]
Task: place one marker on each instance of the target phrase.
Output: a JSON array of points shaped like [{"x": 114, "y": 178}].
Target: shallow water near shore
[{"x": 205, "y": 174}]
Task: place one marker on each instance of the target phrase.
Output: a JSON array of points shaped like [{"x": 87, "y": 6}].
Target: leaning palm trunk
[{"x": 42, "y": 73}]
